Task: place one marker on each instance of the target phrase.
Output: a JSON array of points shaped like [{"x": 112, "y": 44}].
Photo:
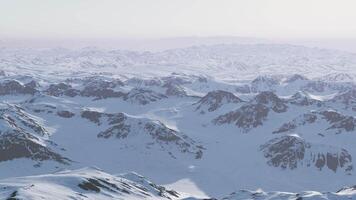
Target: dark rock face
[
  {"x": 263, "y": 81},
  {"x": 308, "y": 118},
  {"x": 144, "y": 82},
  {"x": 338, "y": 122},
  {"x": 100, "y": 83},
  {"x": 143, "y": 96},
  {"x": 122, "y": 126},
  {"x": 302, "y": 99},
  {"x": 272, "y": 100},
  {"x": 348, "y": 98},
  {"x": 175, "y": 90},
  {"x": 20, "y": 137},
  {"x": 17, "y": 119},
  {"x": 215, "y": 99},
  {"x": 253, "y": 113},
  {"x": 23, "y": 145},
  {"x": 291, "y": 152},
  {"x": 334, "y": 160},
  {"x": 65, "y": 114},
  {"x": 92, "y": 116},
  {"x": 285, "y": 152},
  {"x": 62, "y": 89},
  {"x": 246, "y": 117},
  {"x": 119, "y": 128},
  {"x": 13, "y": 87},
  {"x": 100, "y": 92},
  {"x": 99, "y": 89},
  {"x": 99, "y": 184}
]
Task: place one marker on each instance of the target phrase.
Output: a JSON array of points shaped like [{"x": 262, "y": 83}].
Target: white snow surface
[{"x": 175, "y": 80}]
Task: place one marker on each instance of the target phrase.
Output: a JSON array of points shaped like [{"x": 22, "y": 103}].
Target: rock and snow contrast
[{"x": 201, "y": 123}]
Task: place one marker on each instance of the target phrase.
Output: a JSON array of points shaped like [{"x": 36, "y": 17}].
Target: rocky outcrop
[
  {"x": 347, "y": 98},
  {"x": 263, "y": 83},
  {"x": 65, "y": 114},
  {"x": 101, "y": 89},
  {"x": 98, "y": 89},
  {"x": 85, "y": 183},
  {"x": 22, "y": 136},
  {"x": 246, "y": 117},
  {"x": 216, "y": 99},
  {"x": 272, "y": 101},
  {"x": 253, "y": 113},
  {"x": 16, "y": 144},
  {"x": 291, "y": 152},
  {"x": 286, "y": 152},
  {"x": 62, "y": 89},
  {"x": 148, "y": 132},
  {"x": 303, "y": 99},
  {"x": 14, "y": 117},
  {"x": 143, "y": 96},
  {"x": 335, "y": 121},
  {"x": 13, "y": 87}
]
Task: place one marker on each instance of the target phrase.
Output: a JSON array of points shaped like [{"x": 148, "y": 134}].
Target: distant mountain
[{"x": 204, "y": 120}]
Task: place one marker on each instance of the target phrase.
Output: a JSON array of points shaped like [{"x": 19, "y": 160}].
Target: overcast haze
[
  {"x": 175, "y": 18},
  {"x": 142, "y": 24}
]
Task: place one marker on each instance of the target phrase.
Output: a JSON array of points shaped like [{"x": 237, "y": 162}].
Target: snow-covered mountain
[
  {"x": 226, "y": 61},
  {"x": 204, "y": 121},
  {"x": 86, "y": 183}
]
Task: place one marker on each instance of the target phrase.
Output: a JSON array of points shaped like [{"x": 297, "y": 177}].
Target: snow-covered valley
[{"x": 199, "y": 122}]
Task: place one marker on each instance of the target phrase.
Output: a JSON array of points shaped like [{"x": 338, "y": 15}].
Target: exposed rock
[
  {"x": 304, "y": 99},
  {"x": 175, "y": 90},
  {"x": 15, "y": 144},
  {"x": 93, "y": 116},
  {"x": 263, "y": 83},
  {"x": 100, "y": 92},
  {"x": 65, "y": 114},
  {"x": 339, "y": 121},
  {"x": 246, "y": 117},
  {"x": 336, "y": 121},
  {"x": 348, "y": 98},
  {"x": 215, "y": 99},
  {"x": 272, "y": 100},
  {"x": 302, "y": 120},
  {"x": 143, "y": 96},
  {"x": 122, "y": 126},
  {"x": 285, "y": 152},
  {"x": 13, "y": 87},
  {"x": 86, "y": 183},
  {"x": 14, "y": 117},
  {"x": 291, "y": 152},
  {"x": 21, "y": 137},
  {"x": 62, "y": 89}
]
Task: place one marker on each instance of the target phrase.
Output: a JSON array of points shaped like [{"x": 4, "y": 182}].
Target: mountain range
[{"x": 204, "y": 122}]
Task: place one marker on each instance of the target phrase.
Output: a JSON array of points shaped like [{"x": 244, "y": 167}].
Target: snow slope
[{"x": 214, "y": 118}]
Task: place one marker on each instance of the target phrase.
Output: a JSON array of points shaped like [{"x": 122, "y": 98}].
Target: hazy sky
[{"x": 167, "y": 18}]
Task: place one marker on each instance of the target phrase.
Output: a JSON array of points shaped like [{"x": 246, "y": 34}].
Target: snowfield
[{"x": 199, "y": 122}]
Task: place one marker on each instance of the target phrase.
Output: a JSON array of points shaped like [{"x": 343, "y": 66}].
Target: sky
[{"x": 177, "y": 18}]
